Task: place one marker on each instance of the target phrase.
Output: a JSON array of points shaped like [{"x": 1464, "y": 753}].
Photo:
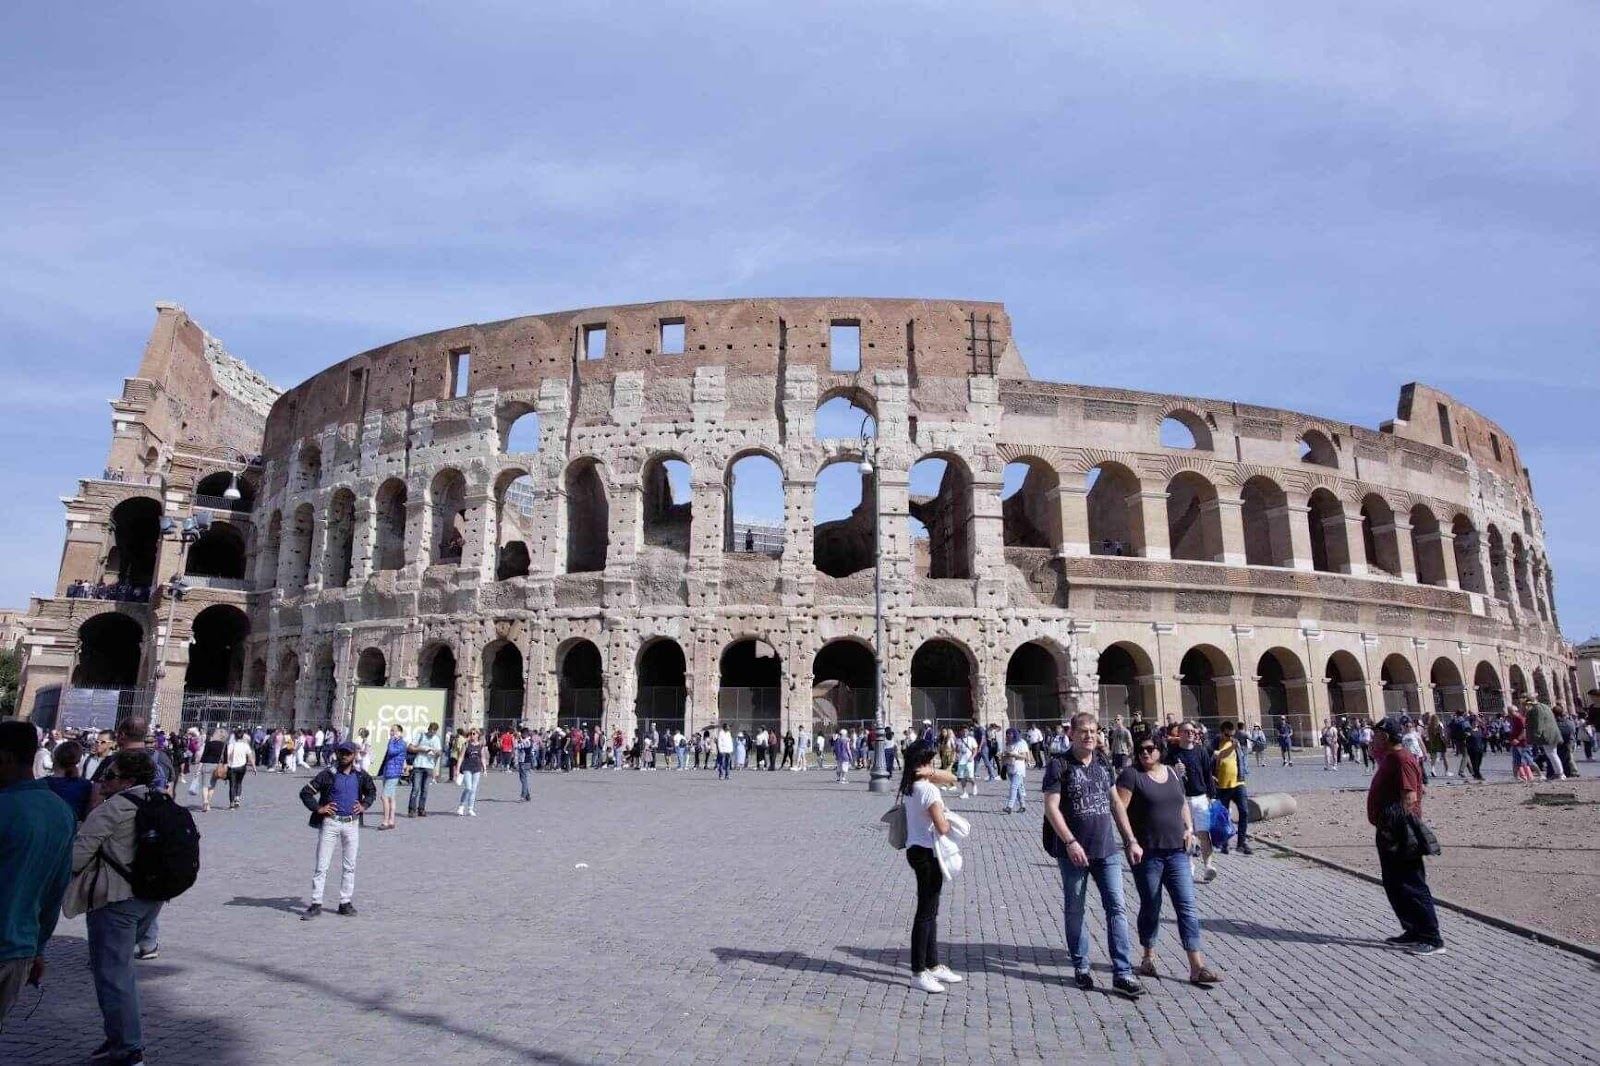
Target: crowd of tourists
[
  {"x": 125, "y": 591},
  {"x": 1543, "y": 740}
]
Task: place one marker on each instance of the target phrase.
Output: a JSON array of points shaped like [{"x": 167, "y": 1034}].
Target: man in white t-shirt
[
  {"x": 724, "y": 753},
  {"x": 802, "y": 750},
  {"x": 239, "y": 756}
]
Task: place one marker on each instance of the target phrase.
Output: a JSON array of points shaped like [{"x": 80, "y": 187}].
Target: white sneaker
[
  {"x": 927, "y": 982},
  {"x": 472, "y": 813},
  {"x": 947, "y": 975},
  {"x": 1211, "y": 873},
  {"x": 460, "y": 811}
]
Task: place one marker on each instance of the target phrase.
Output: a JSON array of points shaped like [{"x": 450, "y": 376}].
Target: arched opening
[
  {"x": 1283, "y": 693},
  {"x": 1486, "y": 683},
  {"x": 1264, "y": 511},
  {"x": 372, "y": 668},
  {"x": 521, "y": 434},
  {"x": 1399, "y": 686},
  {"x": 502, "y": 685},
  {"x": 1427, "y": 546},
  {"x": 663, "y": 687},
  {"x": 1519, "y": 572},
  {"x": 109, "y": 647},
  {"x": 339, "y": 540},
  {"x": 939, "y": 517},
  {"x": 1330, "y": 547},
  {"x": 1185, "y": 429},
  {"x": 136, "y": 534},
  {"x": 844, "y": 528},
  {"x": 219, "y": 552},
  {"x": 267, "y": 569},
  {"x": 1205, "y": 685},
  {"x": 844, "y": 684},
  {"x": 1030, "y": 505},
  {"x": 211, "y": 491},
  {"x": 436, "y": 667},
  {"x": 515, "y": 504},
  {"x": 1347, "y": 686},
  {"x": 284, "y": 687},
  {"x": 324, "y": 687},
  {"x": 1497, "y": 565},
  {"x": 256, "y": 680},
  {"x": 1541, "y": 687},
  {"x": 580, "y": 681},
  {"x": 1449, "y": 694},
  {"x": 389, "y": 531},
  {"x": 755, "y": 517},
  {"x": 308, "y": 470},
  {"x": 1317, "y": 449},
  {"x": 846, "y": 415},
  {"x": 1127, "y": 683},
  {"x": 1519, "y": 682},
  {"x": 588, "y": 518},
  {"x": 1380, "y": 541},
  {"x": 1033, "y": 686},
  {"x": 1116, "y": 514},
  {"x": 749, "y": 684},
  {"x": 1469, "y": 559},
  {"x": 941, "y": 683},
  {"x": 667, "y": 503},
  {"x": 298, "y": 547},
  {"x": 216, "y": 650},
  {"x": 1193, "y": 524},
  {"x": 448, "y": 498}
]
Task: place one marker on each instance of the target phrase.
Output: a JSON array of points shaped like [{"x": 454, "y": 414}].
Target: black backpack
[{"x": 166, "y": 849}]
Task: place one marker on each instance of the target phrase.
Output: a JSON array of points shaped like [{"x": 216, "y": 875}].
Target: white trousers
[{"x": 348, "y": 834}]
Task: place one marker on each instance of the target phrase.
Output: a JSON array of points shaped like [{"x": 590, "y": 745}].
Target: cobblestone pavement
[{"x": 672, "y": 918}]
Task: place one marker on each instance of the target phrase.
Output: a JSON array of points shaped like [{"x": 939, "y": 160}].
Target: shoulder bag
[{"x": 895, "y": 819}]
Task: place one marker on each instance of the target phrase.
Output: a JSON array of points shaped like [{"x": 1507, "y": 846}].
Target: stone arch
[
  {"x": 1518, "y": 682},
  {"x": 1035, "y": 692},
  {"x": 519, "y": 434},
  {"x": 1519, "y": 572},
  {"x": 220, "y": 552},
  {"x": 503, "y": 684},
  {"x": 308, "y": 470},
  {"x": 750, "y": 685},
  {"x": 1380, "y": 540},
  {"x": 580, "y": 683},
  {"x": 1318, "y": 450},
  {"x": 1330, "y": 544},
  {"x": 1486, "y": 684},
  {"x": 214, "y": 487},
  {"x": 940, "y": 521},
  {"x": 1399, "y": 680},
  {"x": 1427, "y": 546},
  {"x": 447, "y": 504},
  {"x": 753, "y": 496},
  {"x": 1449, "y": 694},
  {"x": 844, "y": 683},
  {"x": 1541, "y": 686},
  {"x": 286, "y": 682},
  {"x": 1116, "y": 512},
  {"x": 515, "y": 500},
  {"x": 339, "y": 539},
  {"x": 1283, "y": 691},
  {"x": 110, "y": 645},
  {"x": 270, "y": 551},
  {"x": 135, "y": 540},
  {"x": 1183, "y": 428},
  {"x": 844, "y": 535},
  {"x": 297, "y": 544},
  {"x": 662, "y": 685},
  {"x": 372, "y": 667},
  {"x": 216, "y": 650},
  {"x": 1469, "y": 558},
  {"x": 1206, "y": 685},
  {"x": 588, "y": 516},
  {"x": 1030, "y": 504},
  {"x": 389, "y": 529},
  {"x": 1497, "y": 565},
  {"x": 846, "y": 412},
  {"x": 666, "y": 502},
  {"x": 1347, "y": 686},
  {"x": 1194, "y": 526},
  {"x": 942, "y": 673},
  {"x": 1264, "y": 512}
]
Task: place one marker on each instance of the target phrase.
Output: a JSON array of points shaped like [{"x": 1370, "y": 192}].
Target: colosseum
[{"x": 689, "y": 512}]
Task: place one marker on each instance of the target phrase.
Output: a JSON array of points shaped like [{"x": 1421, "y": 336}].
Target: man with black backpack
[{"x": 135, "y": 851}]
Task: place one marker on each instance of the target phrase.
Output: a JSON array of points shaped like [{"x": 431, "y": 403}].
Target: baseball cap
[
  {"x": 348, "y": 745},
  {"x": 1389, "y": 726}
]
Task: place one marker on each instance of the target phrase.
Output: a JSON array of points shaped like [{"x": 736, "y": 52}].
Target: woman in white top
[
  {"x": 1016, "y": 756},
  {"x": 925, "y": 821}
]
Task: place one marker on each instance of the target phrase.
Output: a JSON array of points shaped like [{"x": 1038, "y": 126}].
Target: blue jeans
[
  {"x": 469, "y": 788},
  {"x": 1240, "y": 799},
  {"x": 419, "y": 790},
  {"x": 723, "y": 760},
  {"x": 1107, "y": 874},
  {"x": 683, "y": 756},
  {"x": 1016, "y": 798},
  {"x": 1172, "y": 869},
  {"x": 522, "y": 776},
  {"x": 114, "y": 930}
]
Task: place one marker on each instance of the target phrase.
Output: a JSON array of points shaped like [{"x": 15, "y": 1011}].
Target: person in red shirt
[
  {"x": 1398, "y": 782},
  {"x": 507, "y": 742}
]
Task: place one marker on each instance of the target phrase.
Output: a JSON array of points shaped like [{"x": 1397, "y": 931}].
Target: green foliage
[{"x": 10, "y": 673}]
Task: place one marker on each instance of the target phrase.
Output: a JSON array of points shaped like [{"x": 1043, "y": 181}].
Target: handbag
[
  {"x": 220, "y": 773},
  {"x": 895, "y": 819}
]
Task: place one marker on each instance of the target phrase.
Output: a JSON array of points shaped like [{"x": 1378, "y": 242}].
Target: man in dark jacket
[{"x": 336, "y": 797}]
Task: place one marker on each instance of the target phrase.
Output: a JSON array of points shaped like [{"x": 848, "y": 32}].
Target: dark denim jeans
[
  {"x": 1107, "y": 875},
  {"x": 419, "y": 790},
  {"x": 114, "y": 931},
  {"x": 925, "y": 924},
  {"x": 1406, "y": 884},
  {"x": 1240, "y": 798},
  {"x": 1171, "y": 869}
]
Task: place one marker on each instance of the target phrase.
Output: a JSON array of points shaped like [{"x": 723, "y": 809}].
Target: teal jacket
[{"x": 36, "y": 831}]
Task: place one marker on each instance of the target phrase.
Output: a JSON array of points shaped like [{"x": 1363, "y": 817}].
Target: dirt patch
[{"x": 1534, "y": 864}]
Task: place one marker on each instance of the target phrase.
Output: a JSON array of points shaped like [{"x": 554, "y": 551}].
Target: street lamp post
[
  {"x": 191, "y": 530},
  {"x": 879, "y": 781}
]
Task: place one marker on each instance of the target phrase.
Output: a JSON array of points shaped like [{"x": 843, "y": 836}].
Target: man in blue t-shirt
[
  {"x": 36, "y": 831},
  {"x": 336, "y": 797},
  {"x": 1081, "y": 806}
]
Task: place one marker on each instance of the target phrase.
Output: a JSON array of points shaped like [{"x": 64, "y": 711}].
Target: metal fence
[
  {"x": 750, "y": 709},
  {"x": 947, "y": 704},
  {"x": 660, "y": 706},
  {"x": 579, "y": 706}
]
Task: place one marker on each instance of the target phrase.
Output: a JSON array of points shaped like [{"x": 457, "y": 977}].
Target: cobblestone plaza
[{"x": 667, "y": 917}]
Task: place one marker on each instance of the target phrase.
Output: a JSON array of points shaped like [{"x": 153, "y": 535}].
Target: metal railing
[
  {"x": 749, "y": 708},
  {"x": 205, "y": 581},
  {"x": 240, "y": 506},
  {"x": 953, "y": 704},
  {"x": 579, "y": 706},
  {"x": 660, "y": 706}
]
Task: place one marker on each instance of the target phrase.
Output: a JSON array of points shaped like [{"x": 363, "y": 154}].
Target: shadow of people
[
  {"x": 1256, "y": 931},
  {"x": 287, "y": 904}
]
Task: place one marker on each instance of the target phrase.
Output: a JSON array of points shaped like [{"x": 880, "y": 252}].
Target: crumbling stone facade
[{"x": 1061, "y": 556}]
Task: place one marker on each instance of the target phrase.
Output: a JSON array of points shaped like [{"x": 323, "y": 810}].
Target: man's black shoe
[
  {"x": 1400, "y": 941},
  {"x": 347, "y": 909},
  {"x": 311, "y": 912},
  {"x": 1128, "y": 987},
  {"x": 101, "y": 1053},
  {"x": 1246, "y": 849},
  {"x": 1084, "y": 981}
]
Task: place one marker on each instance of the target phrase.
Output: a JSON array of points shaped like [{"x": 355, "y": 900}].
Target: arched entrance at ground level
[
  {"x": 1347, "y": 687},
  {"x": 109, "y": 646},
  {"x": 136, "y": 534},
  {"x": 502, "y": 685},
  {"x": 1518, "y": 681},
  {"x": 372, "y": 668},
  {"x": 1206, "y": 686},
  {"x": 1127, "y": 682},
  {"x": 1486, "y": 683},
  {"x": 218, "y": 553},
  {"x": 1449, "y": 694},
  {"x": 1399, "y": 687},
  {"x": 749, "y": 682},
  {"x": 436, "y": 668},
  {"x": 1033, "y": 686},
  {"x": 1541, "y": 689},
  {"x": 580, "y": 685},
  {"x": 941, "y": 684},
  {"x": 216, "y": 655},
  {"x": 663, "y": 690},
  {"x": 844, "y": 685},
  {"x": 1283, "y": 693}
]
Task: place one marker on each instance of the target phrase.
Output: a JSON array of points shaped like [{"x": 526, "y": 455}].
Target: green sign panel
[{"x": 412, "y": 709}]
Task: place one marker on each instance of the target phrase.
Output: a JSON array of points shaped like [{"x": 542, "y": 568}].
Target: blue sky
[{"x": 1271, "y": 203}]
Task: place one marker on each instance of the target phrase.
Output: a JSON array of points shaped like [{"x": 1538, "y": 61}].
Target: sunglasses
[{"x": 1145, "y": 749}]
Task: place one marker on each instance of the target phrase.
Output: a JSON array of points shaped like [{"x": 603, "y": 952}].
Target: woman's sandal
[
  {"x": 1204, "y": 978},
  {"x": 1147, "y": 968}
]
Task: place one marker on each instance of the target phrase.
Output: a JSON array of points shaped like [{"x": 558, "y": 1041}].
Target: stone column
[
  {"x": 478, "y": 540},
  {"x": 316, "y": 563},
  {"x": 1151, "y": 509},
  {"x": 1297, "y": 514},
  {"x": 1230, "y": 512},
  {"x": 1447, "y": 552},
  {"x": 796, "y": 569},
  {"x": 1401, "y": 528},
  {"x": 419, "y": 531},
  {"x": 1071, "y": 498},
  {"x": 1355, "y": 562},
  {"x": 361, "y": 535}
]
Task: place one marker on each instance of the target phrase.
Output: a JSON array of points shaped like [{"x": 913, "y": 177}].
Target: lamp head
[
  {"x": 866, "y": 467},
  {"x": 232, "y": 493}
]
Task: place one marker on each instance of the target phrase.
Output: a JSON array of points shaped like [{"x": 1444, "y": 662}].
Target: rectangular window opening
[
  {"x": 1494, "y": 446},
  {"x": 352, "y": 386},
  {"x": 844, "y": 345},
  {"x": 594, "y": 341},
  {"x": 672, "y": 336},
  {"x": 1444, "y": 426},
  {"x": 460, "y": 371}
]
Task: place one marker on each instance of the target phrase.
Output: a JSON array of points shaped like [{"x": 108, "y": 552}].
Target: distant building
[{"x": 1588, "y": 670}]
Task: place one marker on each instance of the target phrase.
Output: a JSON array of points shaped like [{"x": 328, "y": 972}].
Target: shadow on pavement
[
  {"x": 1042, "y": 965},
  {"x": 288, "y": 904},
  {"x": 1257, "y": 931}
]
